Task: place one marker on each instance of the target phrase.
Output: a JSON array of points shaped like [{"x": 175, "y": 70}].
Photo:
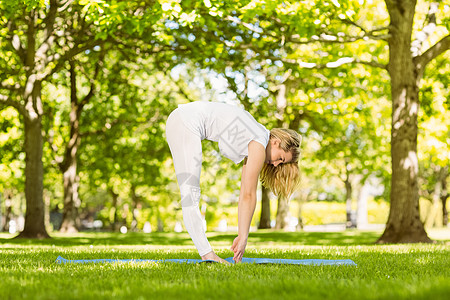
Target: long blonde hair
[{"x": 283, "y": 179}]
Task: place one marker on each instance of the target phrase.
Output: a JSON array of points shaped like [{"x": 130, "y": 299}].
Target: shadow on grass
[
  {"x": 351, "y": 237},
  {"x": 103, "y": 238}
]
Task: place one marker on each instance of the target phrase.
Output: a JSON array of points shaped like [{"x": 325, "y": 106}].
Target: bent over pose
[{"x": 271, "y": 155}]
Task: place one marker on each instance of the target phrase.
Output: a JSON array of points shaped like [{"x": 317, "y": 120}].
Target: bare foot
[{"x": 212, "y": 256}]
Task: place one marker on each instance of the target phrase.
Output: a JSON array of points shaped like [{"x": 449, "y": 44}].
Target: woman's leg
[{"x": 186, "y": 149}]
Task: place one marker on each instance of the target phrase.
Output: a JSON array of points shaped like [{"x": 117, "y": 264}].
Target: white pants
[{"x": 186, "y": 149}]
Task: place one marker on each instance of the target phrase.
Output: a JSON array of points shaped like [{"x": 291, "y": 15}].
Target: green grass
[{"x": 419, "y": 271}]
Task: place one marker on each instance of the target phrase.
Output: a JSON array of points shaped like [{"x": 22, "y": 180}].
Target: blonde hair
[{"x": 283, "y": 179}]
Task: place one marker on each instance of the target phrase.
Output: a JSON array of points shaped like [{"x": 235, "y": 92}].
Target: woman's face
[{"x": 275, "y": 155}]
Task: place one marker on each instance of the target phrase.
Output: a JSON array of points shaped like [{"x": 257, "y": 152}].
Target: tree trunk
[
  {"x": 135, "y": 207},
  {"x": 361, "y": 211},
  {"x": 348, "y": 198},
  {"x": 34, "y": 175},
  {"x": 264, "y": 221},
  {"x": 8, "y": 211},
  {"x": 282, "y": 213},
  {"x": 432, "y": 216},
  {"x": 283, "y": 204},
  {"x": 348, "y": 204},
  {"x": 115, "y": 202},
  {"x": 71, "y": 220},
  {"x": 444, "y": 197},
  {"x": 32, "y": 112},
  {"x": 404, "y": 224},
  {"x": 160, "y": 223},
  {"x": 303, "y": 198},
  {"x": 47, "y": 210}
]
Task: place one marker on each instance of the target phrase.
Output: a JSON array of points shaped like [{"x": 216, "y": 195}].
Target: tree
[
  {"x": 279, "y": 36},
  {"x": 406, "y": 69},
  {"x": 67, "y": 162},
  {"x": 11, "y": 166},
  {"x": 433, "y": 150},
  {"x": 124, "y": 150},
  {"x": 264, "y": 220},
  {"x": 22, "y": 49},
  {"x": 404, "y": 222},
  {"x": 37, "y": 42}
]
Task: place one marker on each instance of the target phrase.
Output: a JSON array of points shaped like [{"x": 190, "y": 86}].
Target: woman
[{"x": 272, "y": 155}]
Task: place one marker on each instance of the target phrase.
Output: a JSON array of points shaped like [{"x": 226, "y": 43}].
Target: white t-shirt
[{"x": 232, "y": 127}]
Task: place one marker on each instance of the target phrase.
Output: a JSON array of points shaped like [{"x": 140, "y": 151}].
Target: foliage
[
  {"x": 434, "y": 137},
  {"x": 12, "y": 160},
  {"x": 318, "y": 67}
]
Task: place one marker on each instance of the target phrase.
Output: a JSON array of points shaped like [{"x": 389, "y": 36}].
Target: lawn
[{"x": 419, "y": 271}]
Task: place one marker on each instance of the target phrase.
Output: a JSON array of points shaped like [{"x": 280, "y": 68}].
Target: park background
[{"x": 86, "y": 88}]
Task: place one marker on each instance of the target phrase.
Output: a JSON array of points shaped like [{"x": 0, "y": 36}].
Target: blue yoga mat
[
  {"x": 314, "y": 262},
  {"x": 245, "y": 260}
]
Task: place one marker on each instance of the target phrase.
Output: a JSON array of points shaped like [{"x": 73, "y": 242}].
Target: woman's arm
[{"x": 247, "y": 197}]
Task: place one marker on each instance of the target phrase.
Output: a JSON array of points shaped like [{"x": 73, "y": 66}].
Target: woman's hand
[{"x": 238, "y": 248}]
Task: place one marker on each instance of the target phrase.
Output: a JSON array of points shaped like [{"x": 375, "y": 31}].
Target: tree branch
[
  {"x": 89, "y": 95},
  {"x": 31, "y": 41},
  {"x": 369, "y": 32},
  {"x": 15, "y": 41},
  {"x": 330, "y": 65},
  {"x": 371, "y": 63},
  {"x": 49, "y": 22},
  {"x": 323, "y": 38},
  {"x": 7, "y": 101},
  {"x": 340, "y": 39},
  {"x": 249, "y": 26},
  {"x": 64, "y": 5},
  {"x": 93, "y": 79},
  {"x": 58, "y": 158},
  {"x": 427, "y": 29},
  {"x": 433, "y": 52},
  {"x": 62, "y": 59},
  {"x": 139, "y": 47}
]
